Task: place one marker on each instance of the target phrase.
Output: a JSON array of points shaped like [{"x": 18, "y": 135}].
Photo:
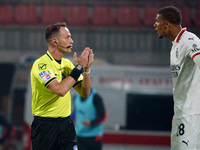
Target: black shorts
[{"x": 53, "y": 134}]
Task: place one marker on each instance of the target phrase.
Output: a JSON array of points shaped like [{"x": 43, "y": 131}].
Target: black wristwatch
[{"x": 79, "y": 67}]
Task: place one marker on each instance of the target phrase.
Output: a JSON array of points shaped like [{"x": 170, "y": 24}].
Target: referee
[{"x": 52, "y": 77}]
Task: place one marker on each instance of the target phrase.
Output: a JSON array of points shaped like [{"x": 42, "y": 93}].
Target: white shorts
[{"x": 185, "y": 134}]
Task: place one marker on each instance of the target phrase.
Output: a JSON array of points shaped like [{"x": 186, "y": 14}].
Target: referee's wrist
[
  {"x": 79, "y": 68},
  {"x": 86, "y": 72},
  {"x": 76, "y": 72},
  {"x": 86, "y": 69}
]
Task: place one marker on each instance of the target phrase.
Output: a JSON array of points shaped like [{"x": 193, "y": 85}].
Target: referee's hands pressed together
[{"x": 86, "y": 58}]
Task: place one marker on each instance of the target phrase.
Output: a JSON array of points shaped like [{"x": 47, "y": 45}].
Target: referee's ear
[{"x": 54, "y": 41}]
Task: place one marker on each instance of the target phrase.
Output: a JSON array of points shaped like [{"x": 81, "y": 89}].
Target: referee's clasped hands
[{"x": 85, "y": 59}]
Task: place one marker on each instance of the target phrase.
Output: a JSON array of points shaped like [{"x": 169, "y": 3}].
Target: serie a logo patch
[{"x": 45, "y": 75}]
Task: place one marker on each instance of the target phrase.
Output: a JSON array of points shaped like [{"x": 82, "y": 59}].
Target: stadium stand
[
  {"x": 52, "y": 14},
  {"x": 25, "y": 14},
  {"x": 6, "y": 14},
  {"x": 97, "y": 15},
  {"x": 196, "y": 17},
  {"x": 77, "y": 15},
  {"x": 186, "y": 15},
  {"x": 149, "y": 15},
  {"x": 128, "y": 16},
  {"x": 103, "y": 16}
]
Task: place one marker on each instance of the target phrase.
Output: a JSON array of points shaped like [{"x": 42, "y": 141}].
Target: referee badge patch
[
  {"x": 75, "y": 148},
  {"x": 45, "y": 75},
  {"x": 42, "y": 66}
]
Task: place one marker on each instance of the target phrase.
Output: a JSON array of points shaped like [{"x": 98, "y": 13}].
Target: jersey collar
[
  {"x": 51, "y": 58},
  {"x": 49, "y": 55},
  {"x": 180, "y": 34}
]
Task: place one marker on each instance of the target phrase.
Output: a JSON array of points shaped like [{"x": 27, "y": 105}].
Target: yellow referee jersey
[{"x": 45, "y": 103}]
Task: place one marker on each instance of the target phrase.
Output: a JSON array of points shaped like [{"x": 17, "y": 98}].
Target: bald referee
[{"x": 52, "y": 77}]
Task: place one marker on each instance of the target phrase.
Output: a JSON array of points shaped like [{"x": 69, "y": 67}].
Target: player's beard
[{"x": 160, "y": 36}]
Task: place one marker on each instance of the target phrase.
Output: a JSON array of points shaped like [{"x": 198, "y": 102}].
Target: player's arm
[
  {"x": 192, "y": 47},
  {"x": 194, "y": 52},
  {"x": 100, "y": 110},
  {"x": 197, "y": 60}
]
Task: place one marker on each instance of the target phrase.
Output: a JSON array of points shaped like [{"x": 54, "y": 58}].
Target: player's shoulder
[{"x": 190, "y": 37}]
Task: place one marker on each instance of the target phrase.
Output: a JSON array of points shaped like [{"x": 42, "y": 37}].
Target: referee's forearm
[{"x": 86, "y": 86}]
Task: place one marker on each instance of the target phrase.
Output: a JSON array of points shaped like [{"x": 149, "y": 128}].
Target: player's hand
[{"x": 86, "y": 122}]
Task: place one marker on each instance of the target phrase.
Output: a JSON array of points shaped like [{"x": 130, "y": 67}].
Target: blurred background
[{"x": 131, "y": 68}]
